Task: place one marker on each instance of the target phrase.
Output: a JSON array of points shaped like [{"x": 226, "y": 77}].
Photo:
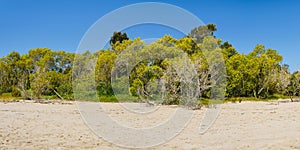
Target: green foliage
[
  {"x": 199, "y": 33},
  {"x": 117, "y": 39},
  {"x": 7, "y": 97},
  {"x": 151, "y": 71},
  {"x": 103, "y": 69},
  {"x": 294, "y": 85},
  {"x": 253, "y": 74},
  {"x": 228, "y": 50},
  {"x": 107, "y": 98},
  {"x": 15, "y": 92}
]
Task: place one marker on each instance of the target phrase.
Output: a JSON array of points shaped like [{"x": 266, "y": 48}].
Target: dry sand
[{"x": 246, "y": 125}]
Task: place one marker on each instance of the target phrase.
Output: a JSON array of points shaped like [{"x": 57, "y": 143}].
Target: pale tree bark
[
  {"x": 294, "y": 86},
  {"x": 23, "y": 89},
  {"x": 39, "y": 81}
]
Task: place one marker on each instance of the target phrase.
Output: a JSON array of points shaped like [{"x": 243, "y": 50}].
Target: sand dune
[{"x": 246, "y": 125}]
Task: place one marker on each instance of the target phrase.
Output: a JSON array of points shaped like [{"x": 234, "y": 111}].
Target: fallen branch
[{"x": 58, "y": 95}]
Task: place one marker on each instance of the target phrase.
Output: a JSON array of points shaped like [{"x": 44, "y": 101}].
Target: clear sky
[{"x": 60, "y": 24}]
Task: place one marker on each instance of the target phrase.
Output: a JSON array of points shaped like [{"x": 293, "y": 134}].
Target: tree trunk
[{"x": 254, "y": 92}]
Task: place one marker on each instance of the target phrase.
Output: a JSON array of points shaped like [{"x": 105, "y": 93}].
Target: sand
[{"x": 246, "y": 125}]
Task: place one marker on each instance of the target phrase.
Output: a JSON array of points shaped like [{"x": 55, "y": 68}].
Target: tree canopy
[{"x": 148, "y": 70}]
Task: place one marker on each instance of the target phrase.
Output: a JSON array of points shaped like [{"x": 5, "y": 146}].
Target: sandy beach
[{"x": 246, "y": 125}]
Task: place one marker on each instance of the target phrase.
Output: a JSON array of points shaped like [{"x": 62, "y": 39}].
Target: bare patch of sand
[{"x": 246, "y": 125}]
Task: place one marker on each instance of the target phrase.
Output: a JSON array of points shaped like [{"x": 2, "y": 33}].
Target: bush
[
  {"x": 107, "y": 98},
  {"x": 15, "y": 92}
]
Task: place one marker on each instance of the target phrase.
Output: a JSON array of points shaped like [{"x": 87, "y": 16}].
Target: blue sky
[{"x": 60, "y": 24}]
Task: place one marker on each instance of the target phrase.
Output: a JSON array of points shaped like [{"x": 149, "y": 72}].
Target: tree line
[{"x": 44, "y": 72}]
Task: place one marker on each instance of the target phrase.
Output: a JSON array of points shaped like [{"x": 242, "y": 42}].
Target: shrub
[{"x": 15, "y": 92}]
